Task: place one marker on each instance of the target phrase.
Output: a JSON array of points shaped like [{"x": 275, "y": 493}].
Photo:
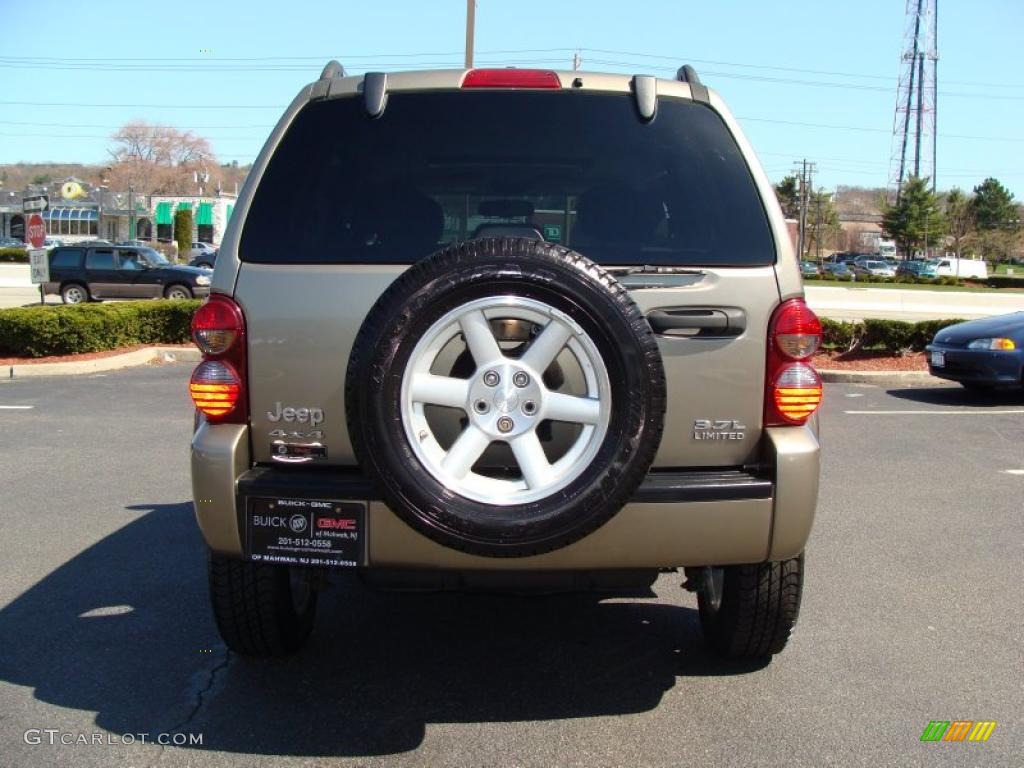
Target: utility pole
[
  {"x": 577, "y": 61},
  {"x": 806, "y": 171},
  {"x": 470, "y": 31}
]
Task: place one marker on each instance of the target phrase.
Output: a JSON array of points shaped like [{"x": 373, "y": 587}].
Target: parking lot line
[
  {"x": 978, "y": 412},
  {"x": 16, "y": 407}
]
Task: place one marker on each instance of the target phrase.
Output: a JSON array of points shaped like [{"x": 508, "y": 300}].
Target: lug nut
[
  {"x": 492, "y": 379},
  {"x": 520, "y": 379},
  {"x": 529, "y": 407},
  {"x": 505, "y": 424},
  {"x": 480, "y": 406}
]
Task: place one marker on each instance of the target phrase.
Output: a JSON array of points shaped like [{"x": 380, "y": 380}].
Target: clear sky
[{"x": 72, "y": 71}]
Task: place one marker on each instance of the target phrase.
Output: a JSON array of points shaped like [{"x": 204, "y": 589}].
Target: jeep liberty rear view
[{"x": 506, "y": 329}]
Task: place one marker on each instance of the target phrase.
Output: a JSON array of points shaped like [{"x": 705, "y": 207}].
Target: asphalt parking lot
[{"x": 913, "y": 611}]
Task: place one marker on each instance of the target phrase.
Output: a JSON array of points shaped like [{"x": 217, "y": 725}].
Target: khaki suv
[{"x": 506, "y": 329}]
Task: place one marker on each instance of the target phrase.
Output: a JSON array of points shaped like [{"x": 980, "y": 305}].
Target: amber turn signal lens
[
  {"x": 215, "y": 388},
  {"x": 797, "y": 392}
]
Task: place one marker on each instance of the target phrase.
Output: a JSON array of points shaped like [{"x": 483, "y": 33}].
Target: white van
[{"x": 952, "y": 267}]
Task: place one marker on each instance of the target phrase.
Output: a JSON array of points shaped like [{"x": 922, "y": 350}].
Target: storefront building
[{"x": 210, "y": 215}]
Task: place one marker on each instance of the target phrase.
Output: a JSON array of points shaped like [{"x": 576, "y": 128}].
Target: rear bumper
[{"x": 674, "y": 519}]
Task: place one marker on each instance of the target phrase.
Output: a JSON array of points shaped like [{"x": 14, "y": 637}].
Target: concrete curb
[
  {"x": 112, "y": 363},
  {"x": 880, "y": 377}
]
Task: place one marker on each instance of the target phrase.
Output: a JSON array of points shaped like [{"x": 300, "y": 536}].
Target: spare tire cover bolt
[
  {"x": 492, "y": 379},
  {"x": 520, "y": 379},
  {"x": 480, "y": 406},
  {"x": 505, "y": 424}
]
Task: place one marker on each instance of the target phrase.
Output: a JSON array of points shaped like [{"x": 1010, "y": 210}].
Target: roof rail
[
  {"x": 688, "y": 74},
  {"x": 333, "y": 69}
]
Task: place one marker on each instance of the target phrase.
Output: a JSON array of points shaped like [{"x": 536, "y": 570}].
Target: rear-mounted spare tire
[{"x": 506, "y": 396}]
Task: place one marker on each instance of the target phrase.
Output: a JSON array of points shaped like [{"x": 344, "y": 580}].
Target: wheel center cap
[{"x": 506, "y": 401}]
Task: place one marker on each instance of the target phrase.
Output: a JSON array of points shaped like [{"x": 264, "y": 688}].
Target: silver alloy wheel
[
  {"x": 505, "y": 419},
  {"x": 177, "y": 292},
  {"x": 74, "y": 294}
]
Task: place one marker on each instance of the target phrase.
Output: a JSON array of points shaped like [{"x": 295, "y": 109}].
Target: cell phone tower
[{"x": 913, "y": 128}]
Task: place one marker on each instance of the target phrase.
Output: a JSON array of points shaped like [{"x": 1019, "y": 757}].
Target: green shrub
[
  {"x": 893, "y": 336},
  {"x": 838, "y": 334},
  {"x": 1004, "y": 281},
  {"x": 183, "y": 231},
  {"x": 16, "y": 255},
  {"x": 66, "y": 330}
]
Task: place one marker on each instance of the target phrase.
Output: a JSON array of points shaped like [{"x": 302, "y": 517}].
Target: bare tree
[
  {"x": 160, "y": 159},
  {"x": 959, "y": 218}
]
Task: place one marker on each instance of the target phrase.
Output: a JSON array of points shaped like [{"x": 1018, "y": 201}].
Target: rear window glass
[
  {"x": 66, "y": 258},
  {"x": 575, "y": 168},
  {"x": 100, "y": 260}
]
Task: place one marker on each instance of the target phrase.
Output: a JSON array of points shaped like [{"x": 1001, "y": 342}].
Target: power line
[{"x": 351, "y": 60}]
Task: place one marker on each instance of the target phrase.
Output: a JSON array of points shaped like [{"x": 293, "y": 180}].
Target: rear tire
[
  {"x": 260, "y": 610},
  {"x": 754, "y": 609},
  {"x": 74, "y": 293}
]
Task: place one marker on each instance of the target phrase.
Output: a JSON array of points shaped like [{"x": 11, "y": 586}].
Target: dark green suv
[{"x": 92, "y": 273}]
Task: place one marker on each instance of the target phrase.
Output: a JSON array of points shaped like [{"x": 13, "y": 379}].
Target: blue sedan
[{"x": 981, "y": 354}]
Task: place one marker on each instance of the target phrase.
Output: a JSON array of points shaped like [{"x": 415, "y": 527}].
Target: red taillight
[
  {"x": 793, "y": 387},
  {"x": 218, "y": 383},
  {"x": 216, "y": 325},
  {"x": 511, "y": 78}
]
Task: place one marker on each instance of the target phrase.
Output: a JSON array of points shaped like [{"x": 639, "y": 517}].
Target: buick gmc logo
[{"x": 297, "y": 523}]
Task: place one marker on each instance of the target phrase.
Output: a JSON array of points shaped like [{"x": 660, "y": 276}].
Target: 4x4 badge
[{"x": 718, "y": 429}]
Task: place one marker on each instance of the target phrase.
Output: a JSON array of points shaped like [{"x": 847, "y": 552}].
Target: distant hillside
[{"x": 19, "y": 175}]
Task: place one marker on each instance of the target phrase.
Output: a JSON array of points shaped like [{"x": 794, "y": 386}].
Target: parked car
[
  {"x": 91, "y": 273},
  {"x": 980, "y": 354},
  {"x": 201, "y": 249},
  {"x": 138, "y": 243},
  {"x": 52, "y": 242},
  {"x": 809, "y": 268},
  {"x": 873, "y": 267},
  {"x": 838, "y": 269},
  {"x": 204, "y": 260},
  {"x": 502, "y": 420},
  {"x": 11, "y": 242},
  {"x": 917, "y": 268}
]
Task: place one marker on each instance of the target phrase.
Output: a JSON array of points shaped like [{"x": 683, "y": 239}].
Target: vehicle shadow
[
  {"x": 124, "y": 630},
  {"x": 958, "y": 396}
]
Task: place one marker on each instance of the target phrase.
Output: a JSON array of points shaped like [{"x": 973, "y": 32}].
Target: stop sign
[{"x": 36, "y": 230}]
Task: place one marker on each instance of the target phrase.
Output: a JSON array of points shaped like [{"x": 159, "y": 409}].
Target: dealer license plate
[
  {"x": 305, "y": 532},
  {"x": 938, "y": 359}
]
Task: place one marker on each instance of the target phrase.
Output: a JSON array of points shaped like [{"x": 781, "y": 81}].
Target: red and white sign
[{"x": 36, "y": 230}]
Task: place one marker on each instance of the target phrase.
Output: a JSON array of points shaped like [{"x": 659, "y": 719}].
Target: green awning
[
  {"x": 184, "y": 206},
  {"x": 205, "y": 215},
  {"x": 231, "y": 209},
  {"x": 163, "y": 213}
]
